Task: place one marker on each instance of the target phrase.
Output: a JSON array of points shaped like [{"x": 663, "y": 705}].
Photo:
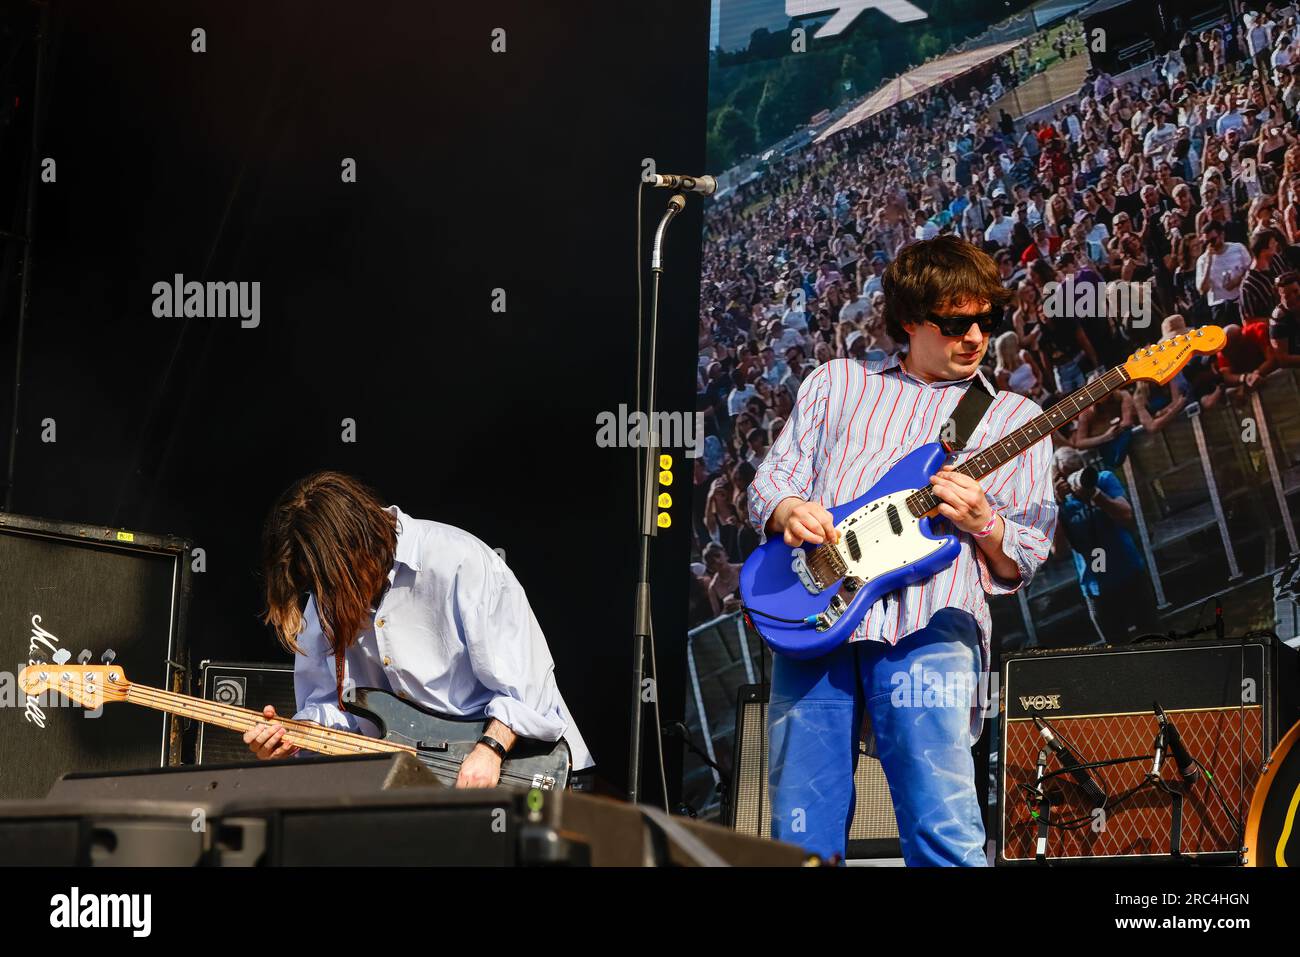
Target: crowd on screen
[{"x": 1185, "y": 183}]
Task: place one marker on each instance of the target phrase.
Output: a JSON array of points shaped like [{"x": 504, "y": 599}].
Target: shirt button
[
  {"x": 402, "y": 694},
  {"x": 381, "y": 622},
  {"x": 387, "y": 661}
]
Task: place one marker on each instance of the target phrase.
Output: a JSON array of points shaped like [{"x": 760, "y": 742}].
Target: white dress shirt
[{"x": 453, "y": 632}]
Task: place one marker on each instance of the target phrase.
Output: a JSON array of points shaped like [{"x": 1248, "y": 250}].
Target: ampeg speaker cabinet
[
  {"x": 85, "y": 594},
  {"x": 244, "y": 685},
  {"x": 873, "y": 833},
  {"x": 1228, "y": 699}
]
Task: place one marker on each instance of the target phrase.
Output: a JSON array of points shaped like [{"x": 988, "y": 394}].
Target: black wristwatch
[{"x": 494, "y": 744}]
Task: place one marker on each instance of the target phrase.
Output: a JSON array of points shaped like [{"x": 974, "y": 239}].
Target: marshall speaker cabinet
[
  {"x": 84, "y": 594},
  {"x": 1229, "y": 700}
]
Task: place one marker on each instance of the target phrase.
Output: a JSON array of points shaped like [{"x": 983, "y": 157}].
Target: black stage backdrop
[{"x": 475, "y": 171}]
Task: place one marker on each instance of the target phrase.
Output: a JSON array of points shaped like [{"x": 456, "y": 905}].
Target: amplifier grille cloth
[
  {"x": 873, "y": 817},
  {"x": 1141, "y": 824}
]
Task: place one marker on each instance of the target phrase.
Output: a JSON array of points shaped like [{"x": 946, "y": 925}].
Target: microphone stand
[{"x": 649, "y": 526}]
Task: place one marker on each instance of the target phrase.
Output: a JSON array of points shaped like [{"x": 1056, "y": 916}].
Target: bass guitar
[
  {"x": 806, "y": 600},
  {"x": 440, "y": 742}
]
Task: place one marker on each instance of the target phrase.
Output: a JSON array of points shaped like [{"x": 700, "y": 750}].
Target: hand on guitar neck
[
  {"x": 480, "y": 769},
  {"x": 266, "y": 740}
]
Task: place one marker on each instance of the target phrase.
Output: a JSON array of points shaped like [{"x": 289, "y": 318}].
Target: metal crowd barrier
[
  {"x": 722, "y": 655},
  {"x": 1231, "y": 468}
]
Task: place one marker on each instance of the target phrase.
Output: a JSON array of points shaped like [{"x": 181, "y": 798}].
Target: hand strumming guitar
[{"x": 801, "y": 521}]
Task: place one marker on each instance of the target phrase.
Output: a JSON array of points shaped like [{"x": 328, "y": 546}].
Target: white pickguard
[{"x": 881, "y": 550}]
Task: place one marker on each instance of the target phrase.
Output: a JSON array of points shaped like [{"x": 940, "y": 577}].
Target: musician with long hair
[{"x": 364, "y": 595}]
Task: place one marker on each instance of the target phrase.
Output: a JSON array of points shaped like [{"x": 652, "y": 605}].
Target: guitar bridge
[
  {"x": 432, "y": 745},
  {"x": 822, "y": 567},
  {"x": 543, "y": 782}
]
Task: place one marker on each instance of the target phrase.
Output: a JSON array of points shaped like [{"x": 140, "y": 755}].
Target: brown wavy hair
[
  {"x": 935, "y": 273},
  {"x": 328, "y": 535}
]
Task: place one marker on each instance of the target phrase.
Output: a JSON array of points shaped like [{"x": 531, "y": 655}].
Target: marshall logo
[
  {"x": 45, "y": 648},
  {"x": 1041, "y": 702},
  {"x": 43, "y": 643}
]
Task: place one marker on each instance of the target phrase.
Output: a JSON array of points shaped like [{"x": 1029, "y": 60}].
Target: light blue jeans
[{"x": 918, "y": 694}]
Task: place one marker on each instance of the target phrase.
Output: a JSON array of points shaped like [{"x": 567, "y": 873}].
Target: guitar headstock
[
  {"x": 88, "y": 685},
  {"x": 1162, "y": 361}
]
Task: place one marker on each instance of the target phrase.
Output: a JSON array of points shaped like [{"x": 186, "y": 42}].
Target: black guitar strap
[{"x": 975, "y": 401}]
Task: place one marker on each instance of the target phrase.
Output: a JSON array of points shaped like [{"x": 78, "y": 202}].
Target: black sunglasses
[{"x": 954, "y": 326}]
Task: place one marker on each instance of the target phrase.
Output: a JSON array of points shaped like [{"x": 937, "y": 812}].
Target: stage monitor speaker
[
  {"x": 109, "y": 833},
  {"x": 1227, "y": 699},
  {"x": 874, "y": 831},
  {"x": 89, "y": 595},
  {"x": 477, "y": 827},
  {"x": 244, "y": 685},
  {"x": 216, "y": 784}
]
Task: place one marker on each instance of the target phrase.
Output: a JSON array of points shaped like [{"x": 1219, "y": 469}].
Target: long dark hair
[{"x": 328, "y": 535}]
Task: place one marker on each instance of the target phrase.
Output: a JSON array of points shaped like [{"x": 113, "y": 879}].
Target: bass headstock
[{"x": 88, "y": 685}]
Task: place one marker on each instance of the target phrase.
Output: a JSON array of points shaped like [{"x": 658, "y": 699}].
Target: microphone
[
  {"x": 707, "y": 185},
  {"x": 1187, "y": 769},
  {"x": 1072, "y": 764},
  {"x": 1158, "y": 761}
]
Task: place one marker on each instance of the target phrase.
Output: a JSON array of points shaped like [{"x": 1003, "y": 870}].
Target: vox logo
[{"x": 1041, "y": 702}]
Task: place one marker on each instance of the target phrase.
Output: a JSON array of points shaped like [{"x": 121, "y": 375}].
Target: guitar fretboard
[
  {"x": 303, "y": 734},
  {"x": 977, "y": 466}
]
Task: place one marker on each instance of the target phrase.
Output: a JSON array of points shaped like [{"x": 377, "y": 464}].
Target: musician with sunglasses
[{"x": 912, "y": 671}]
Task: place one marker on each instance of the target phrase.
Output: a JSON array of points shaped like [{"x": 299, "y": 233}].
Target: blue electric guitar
[{"x": 806, "y": 600}]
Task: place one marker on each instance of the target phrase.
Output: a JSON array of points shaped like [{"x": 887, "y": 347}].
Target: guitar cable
[{"x": 750, "y": 610}]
